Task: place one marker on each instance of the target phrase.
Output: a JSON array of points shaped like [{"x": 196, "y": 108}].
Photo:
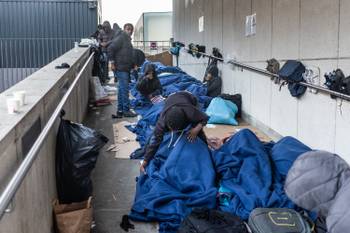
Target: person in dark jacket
[
  {"x": 96, "y": 34},
  {"x": 149, "y": 85},
  {"x": 120, "y": 53},
  {"x": 213, "y": 81},
  {"x": 104, "y": 38},
  {"x": 180, "y": 111},
  {"x": 138, "y": 59}
]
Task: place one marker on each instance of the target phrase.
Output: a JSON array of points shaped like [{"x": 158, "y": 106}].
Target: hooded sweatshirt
[{"x": 193, "y": 115}]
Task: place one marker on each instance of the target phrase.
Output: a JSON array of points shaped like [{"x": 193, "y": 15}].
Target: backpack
[
  {"x": 335, "y": 81},
  {"x": 345, "y": 86},
  {"x": 277, "y": 220},
  {"x": 203, "y": 220},
  {"x": 292, "y": 72},
  {"x": 273, "y": 66}
]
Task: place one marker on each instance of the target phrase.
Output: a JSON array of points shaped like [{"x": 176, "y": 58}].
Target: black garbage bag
[{"x": 77, "y": 150}]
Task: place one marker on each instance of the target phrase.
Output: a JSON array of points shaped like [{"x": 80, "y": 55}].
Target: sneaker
[
  {"x": 129, "y": 114},
  {"x": 118, "y": 115}
]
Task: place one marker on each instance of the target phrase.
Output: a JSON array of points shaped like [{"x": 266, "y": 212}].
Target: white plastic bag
[{"x": 96, "y": 89}]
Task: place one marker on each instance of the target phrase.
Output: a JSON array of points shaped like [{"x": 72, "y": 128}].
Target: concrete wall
[
  {"x": 314, "y": 31},
  {"x": 32, "y": 211}
]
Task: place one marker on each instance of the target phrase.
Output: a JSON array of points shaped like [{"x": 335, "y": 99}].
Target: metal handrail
[
  {"x": 17, "y": 179},
  {"x": 267, "y": 73}
]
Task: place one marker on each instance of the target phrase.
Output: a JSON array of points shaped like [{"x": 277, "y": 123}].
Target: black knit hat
[
  {"x": 176, "y": 119},
  {"x": 213, "y": 70}
]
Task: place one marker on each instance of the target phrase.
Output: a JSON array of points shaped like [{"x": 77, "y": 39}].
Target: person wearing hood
[
  {"x": 213, "y": 81},
  {"x": 104, "y": 38},
  {"x": 120, "y": 53},
  {"x": 179, "y": 112},
  {"x": 149, "y": 85}
]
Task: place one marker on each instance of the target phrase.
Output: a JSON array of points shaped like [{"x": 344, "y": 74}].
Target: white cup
[
  {"x": 21, "y": 96},
  {"x": 12, "y": 105},
  {"x": 76, "y": 46}
]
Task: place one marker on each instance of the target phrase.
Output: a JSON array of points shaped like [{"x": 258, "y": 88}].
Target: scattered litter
[
  {"x": 115, "y": 149},
  {"x": 97, "y": 113},
  {"x": 111, "y": 147},
  {"x": 211, "y": 126},
  {"x": 114, "y": 197},
  {"x": 126, "y": 139},
  {"x": 93, "y": 224}
]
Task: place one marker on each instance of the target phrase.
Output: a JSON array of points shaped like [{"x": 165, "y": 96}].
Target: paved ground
[{"x": 113, "y": 179}]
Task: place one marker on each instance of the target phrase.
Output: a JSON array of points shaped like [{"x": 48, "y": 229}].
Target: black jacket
[
  {"x": 120, "y": 51},
  {"x": 106, "y": 37},
  {"x": 188, "y": 102},
  {"x": 149, "y": 87},
  {"x": 214, "y": 86},
  {"x": 138, "y": 57}
]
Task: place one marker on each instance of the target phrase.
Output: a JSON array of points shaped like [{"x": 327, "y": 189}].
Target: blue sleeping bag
[
  {"x": 180, "y": 177},
  {"x": 250, "y": 176},
  {"x": 222, "y": 111},
  {"x": 172, "y": 82}
]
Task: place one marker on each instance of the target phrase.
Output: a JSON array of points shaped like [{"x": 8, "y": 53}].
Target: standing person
[
  {"x": 138, "y": 60},
  {"x": 96, "y": 34},
  {"x": 104, "y": 38},
  {"x": 120, "y": 54}
]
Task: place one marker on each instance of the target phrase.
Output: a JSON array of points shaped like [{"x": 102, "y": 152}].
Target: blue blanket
[
  {"x": 253, "y": 177},
  {"x": 251, "y": 174},
  {"x": 172, "y": 81},
  {"x": 180, "y": 177}
]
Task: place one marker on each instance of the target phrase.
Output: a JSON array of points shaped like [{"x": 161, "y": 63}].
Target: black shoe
[
  {"x": 129, "y": 114},
  {"x": 118, "y": 115}
]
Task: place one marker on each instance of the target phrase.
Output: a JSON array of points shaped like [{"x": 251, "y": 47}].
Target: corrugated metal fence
[{"x": 33, "y": 33}]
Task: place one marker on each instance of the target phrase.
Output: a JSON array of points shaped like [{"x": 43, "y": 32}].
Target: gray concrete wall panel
[
  {"x": 285, "y": 33},
  {"x": 319, "y": 28}
]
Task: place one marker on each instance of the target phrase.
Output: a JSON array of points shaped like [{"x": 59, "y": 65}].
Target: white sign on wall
[
  {"x": 201, "y": 23},
  {"x": 253, "y": 24},
  {"x": 250, "y": 25},
  {"x": 247, "y": 25}
]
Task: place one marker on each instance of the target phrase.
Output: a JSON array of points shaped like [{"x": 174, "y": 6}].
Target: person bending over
[
  {"x": 149, "y": 85},
  {"x": 213, "y": 81},
  {"x": 180, "y": 110}
]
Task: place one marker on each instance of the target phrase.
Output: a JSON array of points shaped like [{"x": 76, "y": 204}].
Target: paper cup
[
  {"x": 21, "y": 96},
  {"x": 76, "y": 46},
  {"x": 12, "y": 105}
]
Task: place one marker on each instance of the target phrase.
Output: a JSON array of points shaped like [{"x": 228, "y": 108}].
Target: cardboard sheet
[
  {"x": 224, "y": 131},
  {"x": 124, "y": 140}
]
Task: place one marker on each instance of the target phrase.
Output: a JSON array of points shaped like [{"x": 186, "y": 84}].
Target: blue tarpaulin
[
  {"x": 178, "y": 179},
  {"x": 252, "y": 176},
  {"x": 173, "y": 80},
  {"x": 182, "y": 177}
]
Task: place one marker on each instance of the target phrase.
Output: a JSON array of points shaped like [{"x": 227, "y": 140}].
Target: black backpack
[
  {"x": 292, "y": 72},
  {"x": 345, "y": 87},
  {"x": 236, "y": 99},
  {"x": 203, "y": 220},
  {"x": 335, "y": 81},
  {"x": 278, "y": 220}
]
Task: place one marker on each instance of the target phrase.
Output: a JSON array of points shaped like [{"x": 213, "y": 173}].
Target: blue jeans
[{"x": 123, "y": 90}]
